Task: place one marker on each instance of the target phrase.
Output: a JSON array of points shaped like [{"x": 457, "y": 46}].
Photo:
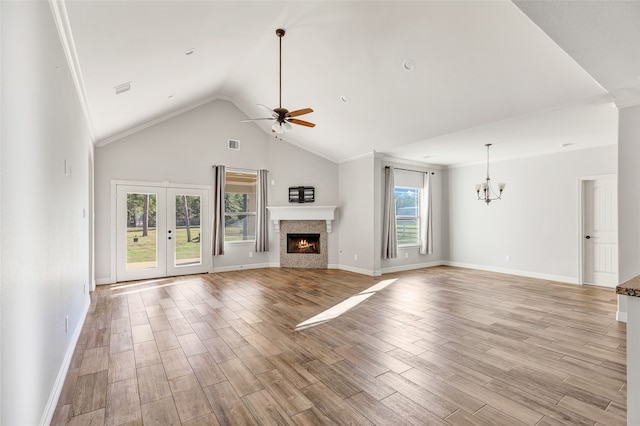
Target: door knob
[
  {"x": 588, "y": 237},
  {"x": 169, "y": 237}
]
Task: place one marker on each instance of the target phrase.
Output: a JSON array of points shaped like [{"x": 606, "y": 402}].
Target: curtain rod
[
  {"x": 238, "y": 168},
  {"x": 407, "y": 170}
]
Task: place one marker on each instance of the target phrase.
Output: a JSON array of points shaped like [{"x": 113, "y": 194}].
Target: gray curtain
[
  {"x": 219, "y": 181},
  {"x": 389, "y": 237},
  {"x": 262, "y": 219},
  {"x": 426, "y": 225}
]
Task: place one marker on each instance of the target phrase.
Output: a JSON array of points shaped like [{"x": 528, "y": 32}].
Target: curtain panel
[
  {"x": 219, "y": 182},
  {"x": 389, "y": 237},
  {"x": 426, "y": 223},
  {"x": 262, "y": 216}
]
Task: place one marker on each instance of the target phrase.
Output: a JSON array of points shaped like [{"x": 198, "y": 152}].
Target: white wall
[
  {"x": 537, "y": 223},
  {"x": 628, "y": 199},
  {"x": 45, "y": 235},
  {"x": 183, "y": 149},
  {"x": 628, "y": 193},
  {"x": 356, "y": 195}
]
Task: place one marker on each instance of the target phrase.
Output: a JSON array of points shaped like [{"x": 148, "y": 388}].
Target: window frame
[
  {"x": 251, "y": 237},
  {"x": 416, "y": 217}
]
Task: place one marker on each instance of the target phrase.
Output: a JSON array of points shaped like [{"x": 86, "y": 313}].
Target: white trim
[
  {"x": 628, "y": 103},
  {"x": 360, "y": 157},
  {"x": 548, "y": 277},
  {"x": 368, "y": 272},
  {"x": 278, "y": 213},
  {"x": 621, "y": 316},
  {"x": 130, "y": 131},
  {"x": 50, "y": 408},
  {"x": 61, "y": 19},
  {"x": 243, "y": 267},
  {"x": 413, "y": 266},
  {"x": 104, "y": 281},
  {"x": 389, "y": 160},
  {"x": 113, "y": 231}
]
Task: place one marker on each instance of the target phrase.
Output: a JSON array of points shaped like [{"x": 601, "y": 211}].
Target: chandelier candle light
[{"x": 485, "y": 186}]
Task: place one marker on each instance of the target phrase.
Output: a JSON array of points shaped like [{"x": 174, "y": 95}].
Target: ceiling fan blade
[
  {"x": 299, "y": 112},
  {"x": 300, "y": 122},
  {"x": 266, "y": 108},
  {"x": 257, "y": 119}
]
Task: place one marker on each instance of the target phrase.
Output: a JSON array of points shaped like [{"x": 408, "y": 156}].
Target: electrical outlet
[
  {"x": 355, "y": 257},
  {"x": 250, "y": 254},
  {"x": 406, "y": 255},
  {"x": 507, "y": 258}
]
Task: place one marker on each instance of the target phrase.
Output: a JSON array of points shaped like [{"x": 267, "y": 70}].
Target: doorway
[
  {"x": 161, "y": 231},
  {"x": 600, "y": 231}
]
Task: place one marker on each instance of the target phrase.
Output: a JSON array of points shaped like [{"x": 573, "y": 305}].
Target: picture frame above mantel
[{"x": 302, "y": 194}]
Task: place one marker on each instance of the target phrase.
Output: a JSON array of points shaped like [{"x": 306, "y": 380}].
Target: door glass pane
[
  {"x": 142, "y": 244},
  {"x": 188, "y": 248}
]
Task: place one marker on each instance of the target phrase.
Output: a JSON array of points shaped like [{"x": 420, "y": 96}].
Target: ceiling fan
[{"x": 282, "y": 117}]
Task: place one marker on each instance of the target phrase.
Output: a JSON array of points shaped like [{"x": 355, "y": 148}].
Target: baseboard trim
[
  {"x": 621, "y": 316},
  {"x": 548, "y": 277},
  {"x": 360, "y": 270},
  {"x": 412, "y": 267},
  {"x": 103, "y": 281},
  {"x": 241, "y": 267},
  {"x": 52, "y": 403}
]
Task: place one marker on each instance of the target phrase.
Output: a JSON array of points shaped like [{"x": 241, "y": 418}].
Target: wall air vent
[
  {"x": 122, "y": 88},
  {"x": 234, "y": 145}
]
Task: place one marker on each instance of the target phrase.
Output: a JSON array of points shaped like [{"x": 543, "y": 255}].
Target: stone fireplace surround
[
  {"x": 303, "y": 220},
  {"x": 303, "y": 260}
]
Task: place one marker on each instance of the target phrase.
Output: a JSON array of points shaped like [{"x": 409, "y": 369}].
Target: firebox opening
[{"x": 303, "y": 243}]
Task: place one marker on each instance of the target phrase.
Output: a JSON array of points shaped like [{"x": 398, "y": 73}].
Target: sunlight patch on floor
[{"x": 344, "y": 306}]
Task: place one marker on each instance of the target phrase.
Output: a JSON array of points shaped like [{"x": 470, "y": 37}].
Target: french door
[{"x": 161, "y": 231}]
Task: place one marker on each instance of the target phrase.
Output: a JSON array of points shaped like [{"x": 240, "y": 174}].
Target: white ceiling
[{"x": 526, "y": 76}]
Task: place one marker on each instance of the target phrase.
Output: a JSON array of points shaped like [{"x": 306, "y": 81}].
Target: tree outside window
[{"x": 407, "y": 215}]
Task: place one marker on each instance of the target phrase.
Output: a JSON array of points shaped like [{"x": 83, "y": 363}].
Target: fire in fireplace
[{"x": 303, "y": 243}]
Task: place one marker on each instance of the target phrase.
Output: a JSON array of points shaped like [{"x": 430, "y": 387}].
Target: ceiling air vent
[{"x": 234, "y": 145}]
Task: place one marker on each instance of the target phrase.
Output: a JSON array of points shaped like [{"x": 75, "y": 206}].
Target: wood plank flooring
[{"x": 439, "y": 346}]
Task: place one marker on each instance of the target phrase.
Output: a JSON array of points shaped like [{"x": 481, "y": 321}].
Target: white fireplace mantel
[{"x": 326, "y": 213}]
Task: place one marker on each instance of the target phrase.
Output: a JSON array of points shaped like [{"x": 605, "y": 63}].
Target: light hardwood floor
[{"x": 439, "y": 346}]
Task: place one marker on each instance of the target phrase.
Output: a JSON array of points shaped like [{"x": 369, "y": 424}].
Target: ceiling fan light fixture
[{"x": 282, "y": 117}]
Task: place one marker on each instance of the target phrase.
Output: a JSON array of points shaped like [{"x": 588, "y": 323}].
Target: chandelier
[{"x": 484, "y": 190}]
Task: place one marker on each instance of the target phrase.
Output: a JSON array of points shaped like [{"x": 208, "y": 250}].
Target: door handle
[
  {"x": 588, "y": 237},
  {"x": 169, "y": 237}
]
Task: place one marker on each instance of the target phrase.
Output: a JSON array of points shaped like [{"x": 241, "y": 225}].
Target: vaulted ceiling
[{"x": 531, "y": 77}]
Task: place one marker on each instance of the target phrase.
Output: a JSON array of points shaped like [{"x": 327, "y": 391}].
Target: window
[
  {"x": 240, "y": 206},
  {"x": 407, "y": 215}
]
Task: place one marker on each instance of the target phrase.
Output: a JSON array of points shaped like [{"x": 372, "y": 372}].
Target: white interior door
[
  {"x": 600, "y": 232},
  {"x": 160, "y": 232}
]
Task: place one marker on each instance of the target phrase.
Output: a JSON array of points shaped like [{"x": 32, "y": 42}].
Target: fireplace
[{"x": 303, "y": 243}]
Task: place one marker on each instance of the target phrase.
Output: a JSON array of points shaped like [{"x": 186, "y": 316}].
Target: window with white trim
[
  {"x": 407, "y": 215},
  {"x": 240, "y": 206}
]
